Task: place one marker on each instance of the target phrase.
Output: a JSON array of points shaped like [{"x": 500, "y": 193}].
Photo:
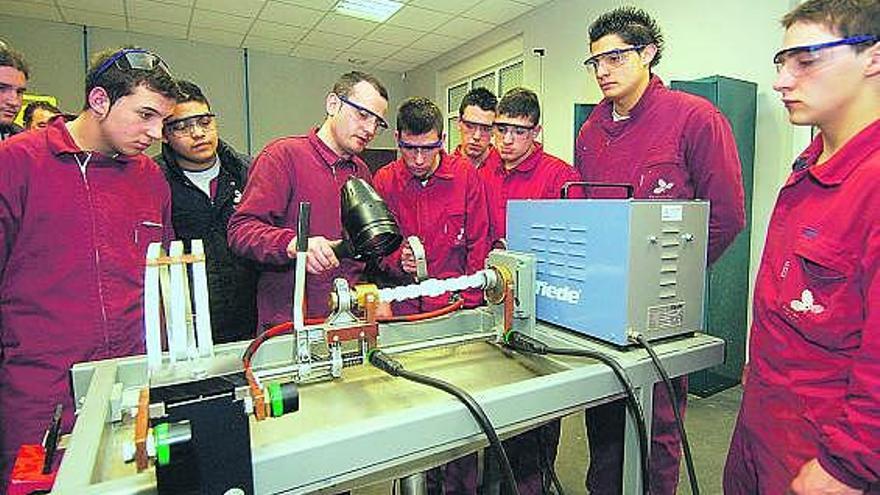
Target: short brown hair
[
  {"x": 845, "y": 18},
  {"x": 348, "y": 80}
]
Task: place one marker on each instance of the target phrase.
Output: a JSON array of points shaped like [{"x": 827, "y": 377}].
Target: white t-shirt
[{"x": 203, "y": 179}]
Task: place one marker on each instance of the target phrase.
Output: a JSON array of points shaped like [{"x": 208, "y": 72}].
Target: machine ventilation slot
[
  {"x": 666, "y": 294},
  {"x": 669, "y": 256},
  {"x": 670, "y": 244},
  {"x": 667, "y": 269},
  {"x": 671, "y": 230},
  {"x": 670, "y": 282},
  {"x": 665, "y": 317}
]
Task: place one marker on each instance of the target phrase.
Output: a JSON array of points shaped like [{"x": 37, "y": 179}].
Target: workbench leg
[{"x": 632, "y": 462}]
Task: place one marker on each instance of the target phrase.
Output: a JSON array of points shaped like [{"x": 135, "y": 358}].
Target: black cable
[
  {"x": 551, "y": 469},
  {"x": 688, "y": 458},
  {"x": 524, "y": 343},
  {"x": 389, "y": 365}
]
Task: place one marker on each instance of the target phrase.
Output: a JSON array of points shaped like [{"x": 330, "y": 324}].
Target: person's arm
[
  {"x": 713, "y": 163},
  {"x": 254, "y": 229},
  {"x": 477, "y": 232},
  {"x": 850, "y": 446},
  {"x": 13, "y": 190}
]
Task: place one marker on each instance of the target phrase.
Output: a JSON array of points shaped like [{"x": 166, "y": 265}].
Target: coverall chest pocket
[
  {"x": 663, "y": 177},
  {"x": 453, "y": 226},
  {"x": 818, "y": 294},
  {"x": 146, "y": 231}
]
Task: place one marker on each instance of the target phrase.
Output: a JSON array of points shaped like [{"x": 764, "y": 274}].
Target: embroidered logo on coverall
[
  {"x": 663, "y": 186},
  {"x": 807, "y": 304},
  {"x": 237, "y": 198}
]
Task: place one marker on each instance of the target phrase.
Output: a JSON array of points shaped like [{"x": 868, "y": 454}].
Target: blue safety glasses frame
[
  {"x": 783, "y": 56},
  {"x": 365, "y": 113},
  {"x": 424, "y": 148},
  {"x": 613, "y": 57},
  {"x": 133, "y": 58}
]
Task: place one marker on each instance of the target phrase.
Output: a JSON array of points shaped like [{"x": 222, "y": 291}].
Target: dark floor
[{"x": 709, "y": 425}]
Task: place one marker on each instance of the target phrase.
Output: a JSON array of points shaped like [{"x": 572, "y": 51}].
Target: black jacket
[
  {"x": 232, "y": 280},
  {"x": 9, "y": 130}
]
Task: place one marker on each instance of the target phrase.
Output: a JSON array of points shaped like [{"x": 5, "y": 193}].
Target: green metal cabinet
[
  {"x": 727, "y": 297},
  {"x": 727, "y": 291}
]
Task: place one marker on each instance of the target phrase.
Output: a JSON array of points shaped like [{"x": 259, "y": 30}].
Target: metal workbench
[{"x": 367, "y": 427}]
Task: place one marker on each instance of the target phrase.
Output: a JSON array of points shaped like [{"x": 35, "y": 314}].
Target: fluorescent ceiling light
[{"x": 371, "y": 10}]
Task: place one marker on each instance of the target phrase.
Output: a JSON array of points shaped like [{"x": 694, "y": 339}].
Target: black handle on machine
[
  {"x": 590, "y": 185},
  {"x": 302, "y": 227},
  {"x": 53, "y": 434}
]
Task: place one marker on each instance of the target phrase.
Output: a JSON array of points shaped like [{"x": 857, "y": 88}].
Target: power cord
[
  {"x": 686, "y": 447},
  {"x": 523, "y": 343},
  {"x": 394, "y": 368}
]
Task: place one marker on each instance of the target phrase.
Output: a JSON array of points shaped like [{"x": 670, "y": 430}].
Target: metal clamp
[{"x": 418, "y": 250}]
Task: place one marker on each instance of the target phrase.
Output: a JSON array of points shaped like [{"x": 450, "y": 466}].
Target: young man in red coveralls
[
  {"x": 476, "y": 114},
  {"x": 524, "y": 172},
  {"x": 668, "y": 145},
  {"x": 809, "y": 423},
  {"x": 309, "y": 168},
  {"x": 79, "y": 204},
  {"x": 440, "y": 199}
]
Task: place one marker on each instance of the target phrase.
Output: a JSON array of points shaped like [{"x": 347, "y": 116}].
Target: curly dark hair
[{"x": 633, "y": 25}]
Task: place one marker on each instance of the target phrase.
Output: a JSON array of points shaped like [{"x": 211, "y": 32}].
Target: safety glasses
[
  {"x": 366, "y": 115},
  {"x": 517, "y": 131},
  {"x": 133, "y": 59},
  {"x": 185, "y": 126},
  {"x": 800, "y": 60},
  {"x": 470, "y": 126},
  {"x": 611, "y": 59},
  {"x": 415, "y": 149}
]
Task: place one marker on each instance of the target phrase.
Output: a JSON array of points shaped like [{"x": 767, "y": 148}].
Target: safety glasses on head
[
  {"x": 799, "y": 60},
  {"x": 611, "y": 59},
  {"x": 186, "y": 125},
  {"x": 366, "y": 115},
  {"x": 133, "y": 59}
]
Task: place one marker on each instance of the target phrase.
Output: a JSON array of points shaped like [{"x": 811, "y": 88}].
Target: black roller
[{"x": 371, "y": 228}]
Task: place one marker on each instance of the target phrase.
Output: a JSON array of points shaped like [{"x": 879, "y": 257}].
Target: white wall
[{"x": 736, "y": 38}]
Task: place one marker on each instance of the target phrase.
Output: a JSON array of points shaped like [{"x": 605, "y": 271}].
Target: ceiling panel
[
  {"x": 293, "y": 15},
  {"x": 157, "y": 28},
  {"x": 223, "y": 22},
  {"x": 448, "y": 6},
  {"x": 43, "y": 11},
  {"x": 96, "y": 19},
  {"x": 338, "y": 23},
  {"x": 330, "y": 40},
  {"x": 497, "y": 11},
  {"x": 268, "y": 45},
  {"x": 149, "y": 9},
  {"x": 314, "y": 52},
  {"x": 215, "y": 36},
  {"x": 244, "y": 8},
  {"x": 114, "y": 7},
  {"x": 418, "y": 32},
  {"x": 417, "y": 18},
  {"x": 464, "y": 28},
  {"x": 271, "y": 30},
  {"x": 437, "y": 42}
]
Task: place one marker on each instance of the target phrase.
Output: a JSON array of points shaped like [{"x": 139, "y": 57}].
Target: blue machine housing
[{"x": 608, "y": 267}]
